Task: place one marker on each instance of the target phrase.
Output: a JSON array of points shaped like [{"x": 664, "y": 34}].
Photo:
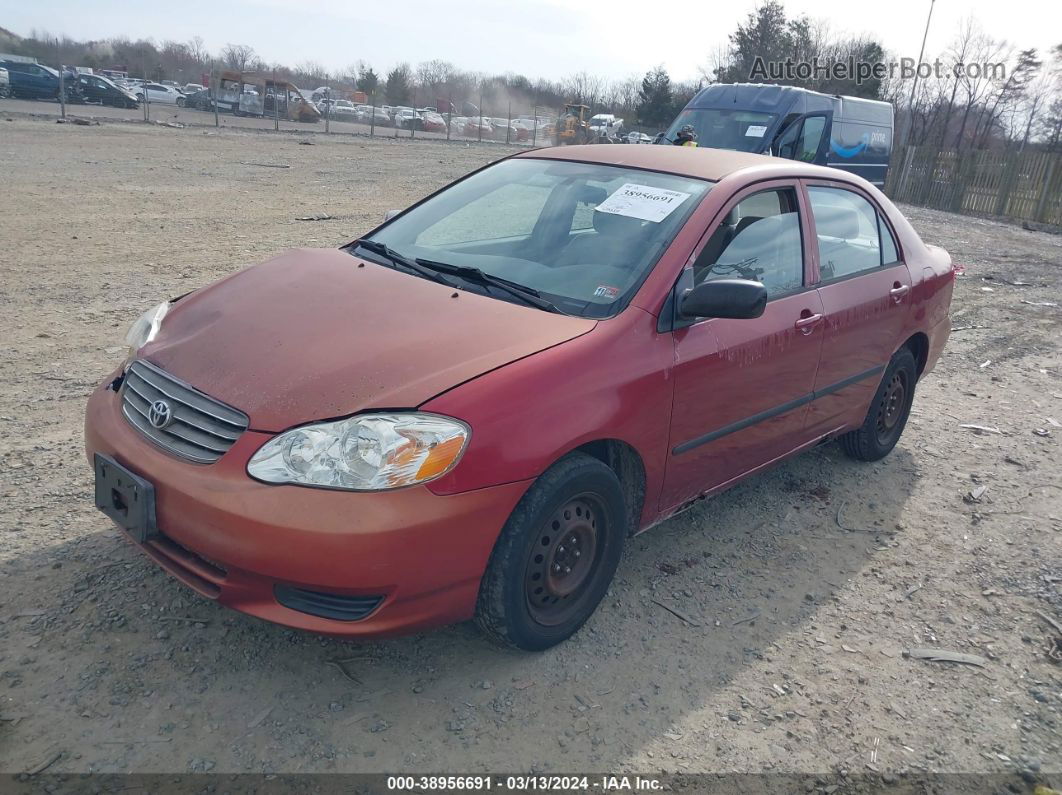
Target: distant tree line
[{"x": 1018, "y": 107}]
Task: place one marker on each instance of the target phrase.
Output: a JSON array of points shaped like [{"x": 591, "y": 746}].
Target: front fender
[{"x": 611, "y": 383}]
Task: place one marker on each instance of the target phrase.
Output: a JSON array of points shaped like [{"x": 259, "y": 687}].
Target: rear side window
[
  {"x": 889, "y": 253},
  {"x": 846, "y": 226},
  {"x": 758, "y": 239}
]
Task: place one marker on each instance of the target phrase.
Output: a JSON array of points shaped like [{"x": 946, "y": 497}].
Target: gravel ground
[{"x": 800, "y": 589}]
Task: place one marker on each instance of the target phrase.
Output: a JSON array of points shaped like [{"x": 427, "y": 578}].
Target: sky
[{"x": 537, "y": 38}]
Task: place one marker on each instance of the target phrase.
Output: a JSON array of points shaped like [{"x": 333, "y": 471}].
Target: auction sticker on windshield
[
  {"x": 643, "y": 202},
  {"x": 756, "y": 131}
]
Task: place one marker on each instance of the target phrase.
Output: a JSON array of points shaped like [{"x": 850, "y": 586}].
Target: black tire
[
  {"x": 180, "y": 102},
  {"x": 887, "y": 416},
  {"x": 577, "y": 498}
]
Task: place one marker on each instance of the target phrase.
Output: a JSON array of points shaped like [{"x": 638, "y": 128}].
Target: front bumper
[{"x": 237, "y": 540}]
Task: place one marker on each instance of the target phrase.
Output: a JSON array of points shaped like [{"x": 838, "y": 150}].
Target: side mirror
[
  {"x": 391, "y": 214},
  {"x": 731, "y": 298}
]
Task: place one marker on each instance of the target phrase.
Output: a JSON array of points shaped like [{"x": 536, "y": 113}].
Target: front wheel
[
  {"x": 888, "y": 412},
  {"x": 555, "y": 557},
  {"x": 180, "y": 102}
]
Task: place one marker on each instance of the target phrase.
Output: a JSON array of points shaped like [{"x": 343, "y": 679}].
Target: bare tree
[
  {"x": 198, "y": 51},
  {"x": 311, "y": 70},
  {"x": 584, "y": 88},
  {"x": 238, "y": 56},
  {"x": 435, "y": 75},
  {"x": 976, "y": 84}
]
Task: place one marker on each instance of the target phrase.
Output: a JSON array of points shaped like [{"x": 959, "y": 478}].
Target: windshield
[
  {"x": 741, "y": 130},
  {"x": 583, "y": 236}
]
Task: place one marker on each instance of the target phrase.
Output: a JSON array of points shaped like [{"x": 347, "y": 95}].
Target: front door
[
  {"x": 865, "y": 289},
  {"x": 742, "y": 387},
  {"x": 807, "y": 138}
]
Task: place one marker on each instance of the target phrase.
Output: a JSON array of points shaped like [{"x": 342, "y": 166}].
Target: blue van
[
  {"x": 849, "y": 133},
  {"x": 30, "y": 79}
]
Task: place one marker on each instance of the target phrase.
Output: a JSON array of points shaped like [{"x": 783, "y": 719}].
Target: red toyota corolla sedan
[{"x": 465, "y": 412}]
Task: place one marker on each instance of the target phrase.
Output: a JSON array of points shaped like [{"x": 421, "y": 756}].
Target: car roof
[{"x": 701, "y": 162}]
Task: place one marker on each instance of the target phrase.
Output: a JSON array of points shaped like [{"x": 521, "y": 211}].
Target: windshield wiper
[
  {"x": 526, "y": 294},
  {"x": 383, "y": 250}
]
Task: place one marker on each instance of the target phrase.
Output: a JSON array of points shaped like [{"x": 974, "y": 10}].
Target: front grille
[
  {"x": 340, "y": 607},
  {"x": 200, "y": 428}
]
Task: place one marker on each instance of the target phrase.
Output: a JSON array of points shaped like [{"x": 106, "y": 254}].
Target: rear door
[
  {"x": 742, "y": 386},
  {"x": 865, "y": 289}
]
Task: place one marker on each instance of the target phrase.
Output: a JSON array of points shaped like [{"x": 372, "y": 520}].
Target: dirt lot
[{"x": 801, "y": 588}]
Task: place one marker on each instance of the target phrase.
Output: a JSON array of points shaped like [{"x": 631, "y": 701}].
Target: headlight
[
  {"x": 146, "y": 327},
  {"x": 369, "y": 452}
]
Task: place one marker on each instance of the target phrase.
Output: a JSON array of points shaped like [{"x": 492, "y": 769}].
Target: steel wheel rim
[
  {"x": 892, "y": 405},
  {"x": 563, "y": 563}
]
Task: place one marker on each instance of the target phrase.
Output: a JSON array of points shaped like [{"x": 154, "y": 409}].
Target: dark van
[
  {"x": 849, "y": 133},
  {"x": 30, "y": 79}
]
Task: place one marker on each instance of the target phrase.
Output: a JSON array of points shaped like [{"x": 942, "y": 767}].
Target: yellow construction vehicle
[{"x": 572, "y": 127}]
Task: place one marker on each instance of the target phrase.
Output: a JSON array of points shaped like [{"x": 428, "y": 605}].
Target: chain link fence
[{"x": 431, "y": 118}]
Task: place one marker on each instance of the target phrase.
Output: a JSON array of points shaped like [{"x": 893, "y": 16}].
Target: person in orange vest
[{"x": 687, "y": 136}]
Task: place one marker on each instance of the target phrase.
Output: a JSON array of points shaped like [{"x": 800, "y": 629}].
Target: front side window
[
  {"x": 582, "y": 235},
  {"x": 846, "y": 226},
  {"x": 803, "y": 146},
  {"x": 758, "y": 239}
]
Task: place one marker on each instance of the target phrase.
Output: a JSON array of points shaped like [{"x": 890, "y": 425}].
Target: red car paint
[{"x": 533, "y": 386}]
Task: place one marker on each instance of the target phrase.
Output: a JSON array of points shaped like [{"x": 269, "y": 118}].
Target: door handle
[
  {"x": 898, "y": 291},
  {"x": 807, "y": 323}
]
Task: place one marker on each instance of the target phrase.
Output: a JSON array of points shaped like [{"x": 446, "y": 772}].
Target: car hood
[{"x": 317, "y": 333}]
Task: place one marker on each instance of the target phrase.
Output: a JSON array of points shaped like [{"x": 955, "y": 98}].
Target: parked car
[
  {"x": 433, "y": 122},
  {"x": 338, "y": 109},
  {"x": 565, "y": 348},
  {"x": 191, "y": 88},
  {"x": 99, "y": 90},
  {"x": 458, "y": 125},
  {"x": 479, "y": 127},
  {"x": 378, "y": 117},
  {"x": 29, "y": 80},
  {"x": 525, "y": 129},
  {"x": 402, "y": 116},
  {"x": 200, "y": 100},
  {"x": 172, "y": 84},
  {"x": 504, "y": 130},
  {"x": 160, "y": 94},
  {"x": 605, "y": 124},
  {"x": 635, "y": 137}
]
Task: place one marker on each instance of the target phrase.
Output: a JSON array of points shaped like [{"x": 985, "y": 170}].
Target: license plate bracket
[{"x": 125, "y": 498}]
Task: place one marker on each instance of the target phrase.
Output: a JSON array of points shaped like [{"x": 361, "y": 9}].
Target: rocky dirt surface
[{"x": 763, "y": 631}]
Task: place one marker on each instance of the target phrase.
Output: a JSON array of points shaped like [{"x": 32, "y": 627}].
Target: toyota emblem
[{"x": 160, "y": 414}]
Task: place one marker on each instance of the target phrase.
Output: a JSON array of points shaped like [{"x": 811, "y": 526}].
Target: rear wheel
[
  {"x": 888, "y": 412},
  {"x": 180, "y": 102},
  {"x": 555, "y": 557}
]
